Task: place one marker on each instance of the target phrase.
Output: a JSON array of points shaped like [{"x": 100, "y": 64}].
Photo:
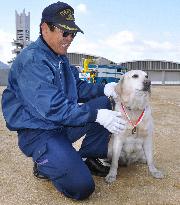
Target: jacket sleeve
[
  {"x": 41, "y": 97},
  {"x": 86, "y": 91}
]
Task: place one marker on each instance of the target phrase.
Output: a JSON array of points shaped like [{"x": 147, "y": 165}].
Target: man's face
[{"x": 55, "y": 39}]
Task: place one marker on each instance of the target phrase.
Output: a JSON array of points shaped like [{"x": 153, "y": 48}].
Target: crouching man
[{"x": 41, "y": 102}]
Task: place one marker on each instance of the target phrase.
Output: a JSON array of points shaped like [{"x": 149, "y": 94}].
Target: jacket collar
[{"x": 42, "y": 43}]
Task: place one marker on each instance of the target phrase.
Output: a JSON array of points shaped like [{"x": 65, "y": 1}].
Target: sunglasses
[{"x": 66, "y": 33}]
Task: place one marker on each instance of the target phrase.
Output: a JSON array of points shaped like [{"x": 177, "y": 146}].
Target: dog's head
[{"x": 134, "y": 85}]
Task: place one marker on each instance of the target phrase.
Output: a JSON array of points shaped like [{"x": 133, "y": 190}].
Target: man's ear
[
  {"x": 118, "y": 87},
  {"x": 45, "y": 28}
]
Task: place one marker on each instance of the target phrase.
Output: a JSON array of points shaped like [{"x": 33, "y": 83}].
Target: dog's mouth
[
  {"x": 143, "y": 91},
  {"x": 146, "y": 89}
]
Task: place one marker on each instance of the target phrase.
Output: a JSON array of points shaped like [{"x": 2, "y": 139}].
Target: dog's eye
[
  {"x": 146, "y": 76},
  {"x": 135, "y": 76}
]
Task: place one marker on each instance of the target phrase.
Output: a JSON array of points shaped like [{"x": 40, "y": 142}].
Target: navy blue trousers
[{"x": 58, "y": 160}]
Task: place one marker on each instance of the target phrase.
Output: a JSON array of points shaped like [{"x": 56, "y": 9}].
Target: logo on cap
[{"x": 67, "y": 14}]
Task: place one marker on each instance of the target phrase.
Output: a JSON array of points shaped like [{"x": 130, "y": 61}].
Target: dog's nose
[{"x": 146, "y": 84}]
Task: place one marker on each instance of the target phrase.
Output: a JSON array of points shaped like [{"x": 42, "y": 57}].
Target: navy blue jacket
[{"x": 43, "y": 92}]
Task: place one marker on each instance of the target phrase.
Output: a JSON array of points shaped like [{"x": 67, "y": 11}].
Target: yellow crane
[{"x": 86, "y": 69}]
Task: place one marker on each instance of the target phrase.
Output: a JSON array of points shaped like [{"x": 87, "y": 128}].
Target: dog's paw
[
  {"x": 110, "y": 178},
  {"x": 157, "y": 174}
]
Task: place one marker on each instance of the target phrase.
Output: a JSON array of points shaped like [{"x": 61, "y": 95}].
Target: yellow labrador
[{"x": 135, "y": 143}]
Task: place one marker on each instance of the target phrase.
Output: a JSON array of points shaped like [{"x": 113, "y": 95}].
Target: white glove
[
  {"x": 109, "y": 90},
  {"x": 111, "y": 120}
]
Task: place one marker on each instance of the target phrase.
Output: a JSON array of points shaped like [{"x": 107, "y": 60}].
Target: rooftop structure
[{"x": 22, "y": 31}]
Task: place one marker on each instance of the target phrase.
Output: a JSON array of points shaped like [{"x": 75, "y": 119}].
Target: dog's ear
[{"x": 118, "y": 87}]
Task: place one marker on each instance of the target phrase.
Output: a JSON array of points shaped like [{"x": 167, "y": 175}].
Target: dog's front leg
[
  {"x": 116, "y": 151},
  {"x": 147, "y": 145}
]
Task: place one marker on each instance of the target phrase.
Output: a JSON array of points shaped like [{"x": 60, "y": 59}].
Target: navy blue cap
[{"x": 61, "y": 14}]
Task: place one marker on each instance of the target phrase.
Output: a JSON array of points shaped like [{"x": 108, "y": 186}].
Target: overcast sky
[{"x": 120, "y": 30}]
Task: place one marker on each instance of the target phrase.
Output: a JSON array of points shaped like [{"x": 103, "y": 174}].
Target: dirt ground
[{"x": 134, "y": 185}]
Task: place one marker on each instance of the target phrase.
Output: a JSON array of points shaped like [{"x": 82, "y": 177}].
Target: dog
[{"x": 135, "y": 143}]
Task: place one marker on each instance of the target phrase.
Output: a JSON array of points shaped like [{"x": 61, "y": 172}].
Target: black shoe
[
  {"x": 96, "y": 167},
  {"x": 37, "y": 174}
]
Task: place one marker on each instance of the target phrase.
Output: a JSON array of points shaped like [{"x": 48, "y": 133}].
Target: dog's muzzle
[{"x": 146, "y": 85}]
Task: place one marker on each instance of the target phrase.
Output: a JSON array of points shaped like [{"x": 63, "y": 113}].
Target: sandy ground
[{"x": 134, "y": 185}]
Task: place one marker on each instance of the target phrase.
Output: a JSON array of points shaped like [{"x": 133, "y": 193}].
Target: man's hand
[
  {"x": 109, "y": 90},
  {"x": 111, "y": 120}
]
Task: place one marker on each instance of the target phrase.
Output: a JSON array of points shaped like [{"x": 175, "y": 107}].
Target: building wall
[
  {"x": 77, "y": 59},
  {"x": 160, "y": 72},
  {"x": 151, "y": 65},
  {"x": 172, "y": 77}
]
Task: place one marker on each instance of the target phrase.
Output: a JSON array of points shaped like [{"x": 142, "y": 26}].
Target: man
[{"x": 41, "y": 102}]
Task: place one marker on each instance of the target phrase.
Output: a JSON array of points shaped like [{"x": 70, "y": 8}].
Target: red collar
[{"x": 130, "y": 121}]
